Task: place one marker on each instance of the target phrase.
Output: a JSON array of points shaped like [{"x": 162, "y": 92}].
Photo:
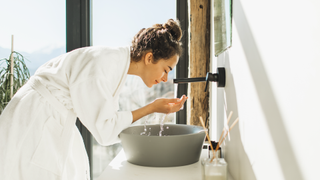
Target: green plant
[{"x": 20, "y": 76}]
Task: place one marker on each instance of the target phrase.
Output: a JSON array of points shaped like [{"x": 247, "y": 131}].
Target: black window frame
[
  {"x": 78, "y": 34},
  {"x": 182, "y": 68}
]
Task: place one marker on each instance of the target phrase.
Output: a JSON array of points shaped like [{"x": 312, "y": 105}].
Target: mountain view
[{"x": 37, "y": 58}]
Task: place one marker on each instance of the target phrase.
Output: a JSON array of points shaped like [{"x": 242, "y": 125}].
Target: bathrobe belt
[{"x": 35, "y": 83}]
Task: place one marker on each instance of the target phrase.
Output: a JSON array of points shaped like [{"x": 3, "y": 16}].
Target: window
[
  {"x": 114, "y": 23},
  {"x": 39, "y": 30}
]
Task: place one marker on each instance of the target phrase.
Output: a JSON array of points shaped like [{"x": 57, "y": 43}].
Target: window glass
[
  {"x": 39, "y": 30},
  {"x": 114, "y": 23}
]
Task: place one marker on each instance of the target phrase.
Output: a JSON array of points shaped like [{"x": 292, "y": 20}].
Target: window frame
[
  {"x": 183, "y": 64},
  {"x": 78, "y": 34}
]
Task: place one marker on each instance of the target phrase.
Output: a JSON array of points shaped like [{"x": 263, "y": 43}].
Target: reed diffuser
[{"x": 216, "y": 168}]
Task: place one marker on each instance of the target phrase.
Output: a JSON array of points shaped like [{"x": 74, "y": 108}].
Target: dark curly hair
[{"x": 163, "y": 40}]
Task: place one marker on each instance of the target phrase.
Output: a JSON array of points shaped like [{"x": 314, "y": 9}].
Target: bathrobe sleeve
[{"x": 95, "y": 107}]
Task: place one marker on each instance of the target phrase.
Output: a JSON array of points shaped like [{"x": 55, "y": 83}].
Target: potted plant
[{"x": 13, "y": 75}]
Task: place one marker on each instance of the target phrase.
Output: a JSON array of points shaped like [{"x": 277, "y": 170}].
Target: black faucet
[{"x": 219, "y": 77}]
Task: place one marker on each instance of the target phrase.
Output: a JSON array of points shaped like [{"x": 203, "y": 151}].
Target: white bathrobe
[{"x": 86, "y": 82}]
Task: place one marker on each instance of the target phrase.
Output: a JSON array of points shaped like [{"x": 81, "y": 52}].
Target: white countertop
[{"x": 120, "y": 169}]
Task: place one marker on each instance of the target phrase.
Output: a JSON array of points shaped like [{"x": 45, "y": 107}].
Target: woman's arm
[{"x": 160, "y": 106}]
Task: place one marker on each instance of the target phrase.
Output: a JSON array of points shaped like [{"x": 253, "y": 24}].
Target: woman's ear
[{"x": 148, "y": 58}]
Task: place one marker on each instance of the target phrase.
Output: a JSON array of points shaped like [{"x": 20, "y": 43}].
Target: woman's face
[{"x": 155, "y": 73}]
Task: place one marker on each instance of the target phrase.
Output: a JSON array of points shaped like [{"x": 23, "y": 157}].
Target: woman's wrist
[
  {"x": 139, "y": 113},
  {"x": 150, "y": 108}
]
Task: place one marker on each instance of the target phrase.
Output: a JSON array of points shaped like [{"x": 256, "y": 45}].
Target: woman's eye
[{"x": 165, "y": 71}]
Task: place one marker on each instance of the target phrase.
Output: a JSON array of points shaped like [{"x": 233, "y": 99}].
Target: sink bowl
[{"x": 179, "y": 144}]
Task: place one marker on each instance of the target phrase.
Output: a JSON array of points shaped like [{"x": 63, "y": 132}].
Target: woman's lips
[{"x": 157, "y": 82}]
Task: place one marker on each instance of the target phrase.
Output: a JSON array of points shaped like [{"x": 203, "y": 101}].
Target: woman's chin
[{"x": 149, "y": 85}]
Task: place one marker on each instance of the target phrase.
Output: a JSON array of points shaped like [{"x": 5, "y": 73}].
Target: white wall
[{"x": 273, "y": 86}]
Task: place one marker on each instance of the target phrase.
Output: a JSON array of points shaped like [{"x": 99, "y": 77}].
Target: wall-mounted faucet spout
[
  {"x": 189, "y": 80},
  {"x": 219, "y": 77}
]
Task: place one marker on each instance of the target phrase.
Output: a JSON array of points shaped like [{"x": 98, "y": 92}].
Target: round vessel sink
[{"x": 179, "y": 144}]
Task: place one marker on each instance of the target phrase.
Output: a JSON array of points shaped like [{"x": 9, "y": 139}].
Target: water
[
  {"x": 161, "y": 124},
  {"x": 145, "y": 130}
]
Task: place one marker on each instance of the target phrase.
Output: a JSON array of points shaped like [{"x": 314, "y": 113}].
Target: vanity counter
[{"x": 120, "y": 169}]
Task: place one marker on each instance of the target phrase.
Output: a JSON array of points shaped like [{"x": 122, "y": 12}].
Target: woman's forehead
[{"x": 173, "y": 60}]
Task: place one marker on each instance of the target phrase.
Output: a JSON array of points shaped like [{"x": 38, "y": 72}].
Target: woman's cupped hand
[{"x": 168, "y": 105}]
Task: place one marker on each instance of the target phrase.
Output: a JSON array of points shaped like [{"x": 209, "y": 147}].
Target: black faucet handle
[
  {"x": 210, "y": 77},
  {"x": 219, "y": 77},
  {"x": 207, "y": 82}
]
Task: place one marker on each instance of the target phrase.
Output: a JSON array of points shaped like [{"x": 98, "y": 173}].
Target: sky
[
  {"x": 35, "y": 24},
  {"x": 39, "y": 26},
  {"x": 126, "y": 17}
]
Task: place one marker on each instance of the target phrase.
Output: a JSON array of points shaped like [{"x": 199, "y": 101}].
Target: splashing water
[
  {"x": 145, "y": 130},
  {"x": 161, "y": 124}
]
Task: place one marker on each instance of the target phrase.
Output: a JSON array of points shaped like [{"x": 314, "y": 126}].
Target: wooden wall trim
[{"x": 199, "y": 64}]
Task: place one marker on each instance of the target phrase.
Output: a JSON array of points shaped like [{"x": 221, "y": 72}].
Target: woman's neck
[{"x": 135, "y": 68}]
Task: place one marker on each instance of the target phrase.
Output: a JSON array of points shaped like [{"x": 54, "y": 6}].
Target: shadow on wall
[
  {"x": 239, "y": 161},
  {"x": 285, "y": 155}
]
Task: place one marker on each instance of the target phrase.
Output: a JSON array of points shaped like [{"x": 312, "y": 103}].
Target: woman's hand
[
  {"x": 161, "y": 105},
  {"x": 164, "y": 105}
]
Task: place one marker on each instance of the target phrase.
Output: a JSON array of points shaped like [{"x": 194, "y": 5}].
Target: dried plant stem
[
  {"x": 218, "y": 145},
  {"x": 204, "y": 127},
  {"x": 229, "y": 117}
]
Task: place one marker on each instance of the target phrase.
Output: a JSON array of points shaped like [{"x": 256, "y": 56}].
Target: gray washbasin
[{"x": 180, "y": 145}]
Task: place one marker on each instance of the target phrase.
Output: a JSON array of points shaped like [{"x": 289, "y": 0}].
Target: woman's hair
[{"x": 162, "y": 40}]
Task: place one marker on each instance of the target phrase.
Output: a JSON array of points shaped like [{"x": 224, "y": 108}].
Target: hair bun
[{"x": 173, "y": 27}]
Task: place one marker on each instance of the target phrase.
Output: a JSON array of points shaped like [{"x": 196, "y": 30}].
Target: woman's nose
[{"x": 165, "y": 78}]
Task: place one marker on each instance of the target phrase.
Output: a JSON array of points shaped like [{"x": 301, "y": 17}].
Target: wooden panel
[{"x": 199, "y": 65}]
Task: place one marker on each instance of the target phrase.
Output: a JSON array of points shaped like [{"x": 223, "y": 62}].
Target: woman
[{"x": 38, "y": 136}]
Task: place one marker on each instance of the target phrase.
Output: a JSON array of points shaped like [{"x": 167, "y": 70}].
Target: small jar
[{"x": 215, "y": 170}]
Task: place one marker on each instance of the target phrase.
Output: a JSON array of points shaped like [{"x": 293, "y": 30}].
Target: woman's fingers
[
  {"x": 163, "y": 105},
  {"x": 178, "y": 105},
  {"x": 175, "y": 100}
]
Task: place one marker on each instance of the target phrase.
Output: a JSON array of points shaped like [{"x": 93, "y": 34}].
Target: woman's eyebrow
[{"x": 170, "y": 68}]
